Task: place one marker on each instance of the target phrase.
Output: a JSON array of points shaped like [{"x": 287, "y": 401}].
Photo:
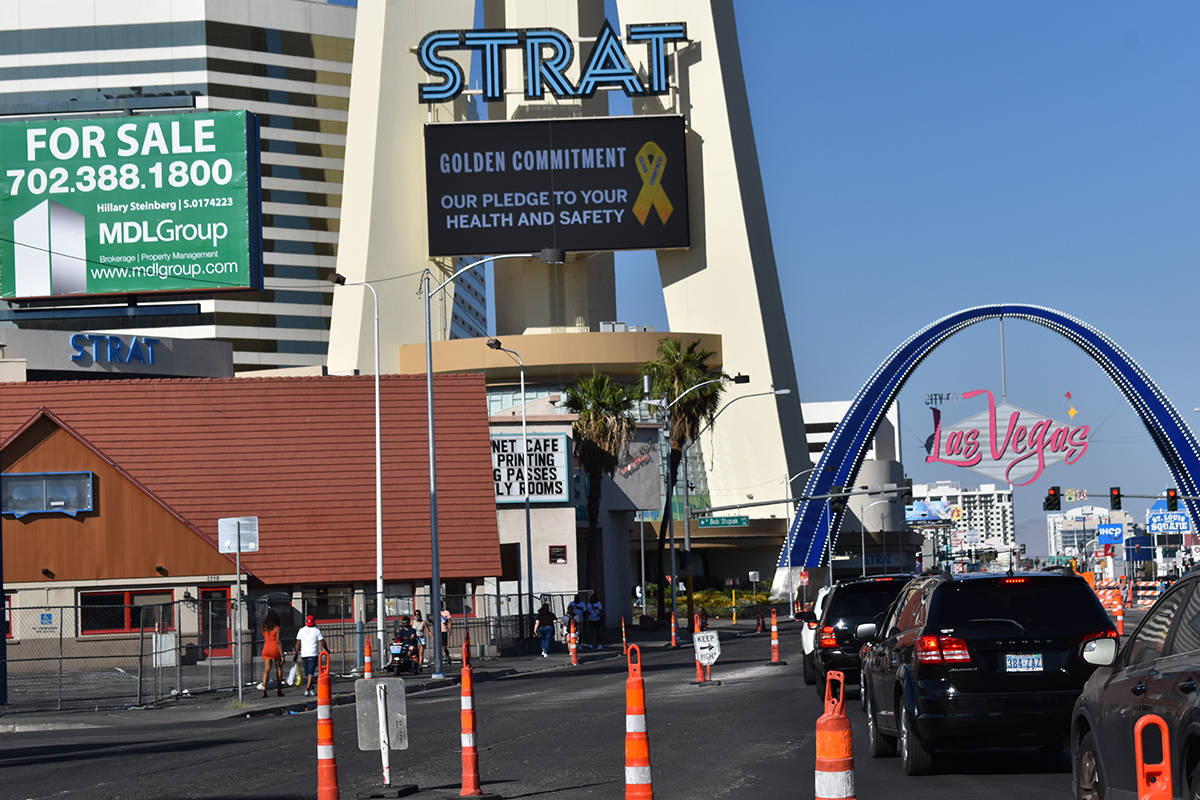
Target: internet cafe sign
[
  {"x": 543, "y": 473},
  {"x": 1006, "y": 443},
  {"x": 546, "y": 56}
]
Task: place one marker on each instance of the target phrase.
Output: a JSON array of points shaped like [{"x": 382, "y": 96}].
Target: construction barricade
[
  {"x": 638, "y": 784},
  {"x": 327, "y": 780},
  {"x": 835, "y": 745}
]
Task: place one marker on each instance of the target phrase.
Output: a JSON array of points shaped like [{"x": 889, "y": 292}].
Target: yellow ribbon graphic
[{"x": 651, "y": 161}]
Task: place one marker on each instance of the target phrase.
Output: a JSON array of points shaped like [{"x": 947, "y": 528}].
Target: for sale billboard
[
  {"x": 130, "y": 205},
  {"x": 610, "y": 183}
]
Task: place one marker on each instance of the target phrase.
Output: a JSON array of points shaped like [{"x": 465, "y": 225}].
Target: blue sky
[{"x": 924, "y": 157}]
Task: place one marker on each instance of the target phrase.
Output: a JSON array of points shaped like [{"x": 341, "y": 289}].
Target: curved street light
[
  {"x": 862, "y": 530},
  {"x": 548, "y": 256},
  {"x": 664, "y": 434},
  {"x": 687, "y": 509},
  {"x": 495, "y": 344}
]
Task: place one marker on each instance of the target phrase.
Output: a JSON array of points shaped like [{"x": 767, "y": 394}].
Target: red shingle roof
[{"x": 298, "y": 453}]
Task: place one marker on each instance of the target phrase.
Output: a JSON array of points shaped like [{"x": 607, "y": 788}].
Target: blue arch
[{"x": 805, "y": 545}]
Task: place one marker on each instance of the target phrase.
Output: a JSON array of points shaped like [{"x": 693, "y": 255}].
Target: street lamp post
[
  {"x": 548, "y": 256},
  {"x": 340, "y": 280},
  {"x": 666, "y": 430},
  {"x": 687, "y": 509},
  {"x": 862, "y": 530},
  {"x": 495, "y": 345}
]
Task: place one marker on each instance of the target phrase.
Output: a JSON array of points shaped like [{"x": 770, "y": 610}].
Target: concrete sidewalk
[{"x": 223, "y": 704}]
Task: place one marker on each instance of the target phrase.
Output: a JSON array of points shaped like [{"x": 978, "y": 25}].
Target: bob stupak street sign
[{"x": 611, "y": 183}]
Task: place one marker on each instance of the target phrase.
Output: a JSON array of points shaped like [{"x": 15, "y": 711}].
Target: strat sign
[
  {"x": 1005, "y": 442},
  {"x": 547, "y": 55}
]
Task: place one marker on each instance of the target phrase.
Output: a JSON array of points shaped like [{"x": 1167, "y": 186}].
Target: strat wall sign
[
  {"x": 1006, "y": 443},
  {"x": 547, "y": 54},
  {"x": 612, "y": 183},
  {"x": 130, "y": 205}
]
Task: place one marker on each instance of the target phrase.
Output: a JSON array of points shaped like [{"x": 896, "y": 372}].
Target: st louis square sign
[{"x": 1006, "y": 443}]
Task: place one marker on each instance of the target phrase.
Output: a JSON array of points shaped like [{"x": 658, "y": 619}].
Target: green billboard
[{"x": 130, "y": 205}]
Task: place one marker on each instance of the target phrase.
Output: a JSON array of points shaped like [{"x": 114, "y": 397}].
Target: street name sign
[
  {"x": 724, "y": 522},
  {"x": 708, "y": 647}
]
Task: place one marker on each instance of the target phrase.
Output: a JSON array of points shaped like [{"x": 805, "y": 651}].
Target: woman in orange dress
[{"x": 272, "y": 653}]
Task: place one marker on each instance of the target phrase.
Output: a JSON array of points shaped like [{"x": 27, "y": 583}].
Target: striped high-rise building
[{"x": 287, "y": 61}]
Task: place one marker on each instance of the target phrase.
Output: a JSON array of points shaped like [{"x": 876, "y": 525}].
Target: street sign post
[
  {"x": 723, "y": 522},
  {"x": 708, "y": 647},
  {"x": 238, "y": 535}
]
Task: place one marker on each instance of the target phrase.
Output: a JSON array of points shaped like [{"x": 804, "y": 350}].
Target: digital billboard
[
  {"x": 130, "y": 205},
  {"x": 610, "y": 183}
]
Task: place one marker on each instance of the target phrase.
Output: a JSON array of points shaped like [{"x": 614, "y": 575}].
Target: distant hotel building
[
  {"x": 821, "y": 418},
  {"x": 988, "y": 509},
  {"x": 1069, "y": 533}
]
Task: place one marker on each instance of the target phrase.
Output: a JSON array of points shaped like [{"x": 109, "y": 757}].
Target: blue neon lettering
[
  {"x": 490, "y": 43},
  {"x": 79, "y": 342},
  {"x": 607, "y": 65},
  {"x": 431, "y": 62},
  {"x": 552, "y": 69},
  {"x": 656, "y": 36}
]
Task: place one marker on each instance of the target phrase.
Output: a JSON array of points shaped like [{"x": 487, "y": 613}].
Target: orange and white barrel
[{"x": 835, "y": 745}]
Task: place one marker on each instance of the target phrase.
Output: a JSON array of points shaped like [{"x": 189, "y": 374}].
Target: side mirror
[
  {"x": 807, "y": 616},
  {"x": 865, "y": 631},
  {"x": 1101, "y": 652}
]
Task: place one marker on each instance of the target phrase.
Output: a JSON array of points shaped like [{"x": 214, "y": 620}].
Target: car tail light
[
  {"x": 812, "y": 626},
  {"x": 1014, "y": 580},
  {"x": 1109, "y": 634},
  {"x": 928, "y": 651},
  {"x": 954, "y": 650},
  {"x": 828, "y": 638},
  {"x": 942, "y": 650}
]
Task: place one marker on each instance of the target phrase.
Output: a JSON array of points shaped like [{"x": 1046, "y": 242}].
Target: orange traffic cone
[
  {"x": 1153, "y": 780},
  {"x": 699, "y": 666},
  {"x": 758, "y": 628},
  {"x": 624, "y": 645},
  {"x": 573, "y": 645},
  {"x": 1120, "y": 618},
  {"x": 835, "y": 745},
  {"x": 327, "y": 780},
  {"x": 470, "y": 752},
  {"x": 674, "y": 640},
  {"x": 638, "y": 785},
  {"x": 367, "y": 659},
  {"x": 775, "y": 661}
]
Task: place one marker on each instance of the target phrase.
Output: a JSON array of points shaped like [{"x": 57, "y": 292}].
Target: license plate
[{"x": 1023, "y": 662}]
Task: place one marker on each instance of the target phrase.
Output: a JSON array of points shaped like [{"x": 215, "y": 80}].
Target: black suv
[
  {"x": 1156, "y": 672},
  {"x": 976, "y": 661},
  {"x": 849, "y": 605}
]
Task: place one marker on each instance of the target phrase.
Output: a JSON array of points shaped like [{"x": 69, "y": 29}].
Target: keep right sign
[{"x": 708, "y": 647}]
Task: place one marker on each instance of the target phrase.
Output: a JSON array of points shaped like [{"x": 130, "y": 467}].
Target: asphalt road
[{"x": 551, "y": 734}]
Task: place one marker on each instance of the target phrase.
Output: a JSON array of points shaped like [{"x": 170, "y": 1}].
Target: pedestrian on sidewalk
[
  {"x": 545, "y": 628},
  {"x": 422, "y": 631},
  {"x": 447, "y": 624},
  {"x": 309, "y": 643},
  {"x": 595, "y": 622},
  {"x": 272, "y": 653},
  {"x": 577, "y": 613}
]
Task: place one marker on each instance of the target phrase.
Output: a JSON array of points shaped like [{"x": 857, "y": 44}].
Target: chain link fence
[{"x": 108, "y": 655}]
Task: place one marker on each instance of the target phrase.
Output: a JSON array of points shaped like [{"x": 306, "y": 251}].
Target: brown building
[{"x": 113, "y": 491}]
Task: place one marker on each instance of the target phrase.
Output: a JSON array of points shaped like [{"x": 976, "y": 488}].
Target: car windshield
[
  {"x": 863, "y": 602},
  {"x": 1042, "y": 605}
]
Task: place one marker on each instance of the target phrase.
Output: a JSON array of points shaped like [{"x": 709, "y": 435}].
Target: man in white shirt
[{"x": 309, "y": 643}]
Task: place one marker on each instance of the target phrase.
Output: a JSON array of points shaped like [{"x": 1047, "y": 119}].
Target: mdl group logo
[{"x": 1004, "y": 442}]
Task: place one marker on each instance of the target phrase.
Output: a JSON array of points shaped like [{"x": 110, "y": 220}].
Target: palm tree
[
  {"x": 676, "y": 370},
  {"x": 601, "y": 432}
]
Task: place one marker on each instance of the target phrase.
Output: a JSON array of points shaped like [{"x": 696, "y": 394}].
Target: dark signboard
[{"x": 611, "y": 183}]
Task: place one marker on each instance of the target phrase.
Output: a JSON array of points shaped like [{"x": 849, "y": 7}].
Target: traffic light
[
  {"x": 906, "y": 497},
  {"x": 1053, "y": 501},
  {"x": 1114, "y": 498},
  {"x": 1172, "y": 499},
  {"x": 836, "y": 504}
]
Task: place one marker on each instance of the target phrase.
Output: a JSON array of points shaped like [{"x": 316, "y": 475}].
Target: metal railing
[{"x": 110, "y": 656}]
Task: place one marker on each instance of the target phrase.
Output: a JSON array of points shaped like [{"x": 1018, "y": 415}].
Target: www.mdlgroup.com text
[{"x": 179, "y": 265}]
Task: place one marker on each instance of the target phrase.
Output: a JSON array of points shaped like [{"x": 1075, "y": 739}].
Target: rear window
[
  {"x": 863, "y": 601},
  {"x": 1047, "y": 605}
]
